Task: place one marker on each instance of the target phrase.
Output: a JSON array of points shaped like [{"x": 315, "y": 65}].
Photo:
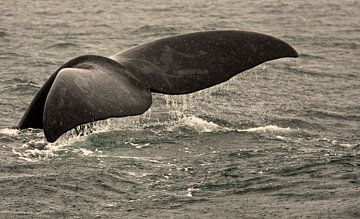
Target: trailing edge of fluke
[{"x": 90, "y": 88}]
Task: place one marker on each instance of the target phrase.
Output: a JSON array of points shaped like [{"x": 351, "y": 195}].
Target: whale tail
[{"x": 90, "y": 88}]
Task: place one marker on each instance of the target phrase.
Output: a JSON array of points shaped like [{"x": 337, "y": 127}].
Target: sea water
[{"x": 280, "y": 140}]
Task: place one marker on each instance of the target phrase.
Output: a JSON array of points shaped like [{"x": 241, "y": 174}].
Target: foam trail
[
  {"x": 199, "y": 124},
  {"x": 193, "y": 122},
  {"x": 202, "y": 125},
  {"x": 268, "y": 128},
  {"x": 9, "y": 131}
]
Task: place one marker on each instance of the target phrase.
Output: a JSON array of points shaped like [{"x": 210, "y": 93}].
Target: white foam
[
  {"x": 268, "y": 128},
  {"x": 190, "y": 192},
  {"x": 8, "y": 131},
  {"x": 202, "y": 125},
  {"x": 36, "y": 150},
  {"x": 32, "y": 154},
  {"x": 138, "y": 146},
  {"x": 138, "y": 174},
  {"x": 206, "y": 126},
  {"x": 199, "y": 124},
  {"x": 354, "y": 146},
  {"x": 85, "y": 152}
]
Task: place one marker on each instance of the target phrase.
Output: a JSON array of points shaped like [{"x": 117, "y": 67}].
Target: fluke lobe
[{"x": 90, "y": 88}]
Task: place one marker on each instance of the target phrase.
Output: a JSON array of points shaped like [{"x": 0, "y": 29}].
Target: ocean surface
[{"x": 281, "y": 140}]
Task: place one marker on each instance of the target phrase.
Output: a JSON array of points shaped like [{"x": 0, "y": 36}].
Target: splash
[{"x": 39, "y": 149}]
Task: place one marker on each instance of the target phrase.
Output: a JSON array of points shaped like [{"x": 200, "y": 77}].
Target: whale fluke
[
  {"x": 90, "y": 88},
  {"x": 191, "y": 62}
]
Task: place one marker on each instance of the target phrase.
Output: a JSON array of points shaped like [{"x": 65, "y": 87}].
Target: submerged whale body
[{"x": 90, "y": 88}]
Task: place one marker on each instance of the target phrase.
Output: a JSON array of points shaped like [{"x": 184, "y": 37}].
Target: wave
[
  {"x": 155, "y": 30},
  {"x": 11, "y": 55},
  {"x": 198, "y": 124},
  {"x": 62, "y": 46},
  {"x": 323, "y": 114},
  {"x": 202, "y": 125}
]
